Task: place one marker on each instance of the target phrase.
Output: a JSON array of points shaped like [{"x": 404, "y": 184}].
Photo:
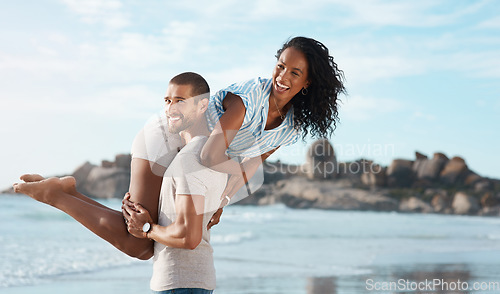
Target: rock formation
[
  {"x": 109, "y": 180},
  {"x": 464, "y": 204},
  {"x": 422, "y": 185},
  {"x": 321, "y": 162},
  {"x": 429, "y": 169},
  {"x": 400, "y": 173}
]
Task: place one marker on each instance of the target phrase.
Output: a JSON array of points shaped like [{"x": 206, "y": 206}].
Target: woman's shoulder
[{"x": 252, "y": 85}]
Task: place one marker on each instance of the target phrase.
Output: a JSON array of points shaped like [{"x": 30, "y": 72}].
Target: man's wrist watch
[{"x": 146, "y": 228}]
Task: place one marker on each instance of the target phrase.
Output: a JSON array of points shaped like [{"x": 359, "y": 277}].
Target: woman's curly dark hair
[{"x": 317, "y": 111}]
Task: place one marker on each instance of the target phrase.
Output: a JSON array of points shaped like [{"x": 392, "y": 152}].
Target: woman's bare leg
[{"x": 103, "y": 221}]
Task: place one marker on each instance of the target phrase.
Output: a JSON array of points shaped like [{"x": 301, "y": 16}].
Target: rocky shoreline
[{"x": 423, "y": 185}]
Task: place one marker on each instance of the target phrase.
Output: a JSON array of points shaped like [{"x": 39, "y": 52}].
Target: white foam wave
[
  {"x": 231, "y": 238},
  {"x": 35, "y": 265},
  {"x": 493, "y": 236}
]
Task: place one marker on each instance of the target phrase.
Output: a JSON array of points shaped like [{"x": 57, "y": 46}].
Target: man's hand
[
  {"x": 215, "y": 219},
  {"x": 135, "y": 216}
]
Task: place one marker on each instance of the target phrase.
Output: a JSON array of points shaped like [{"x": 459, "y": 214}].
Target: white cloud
[
  {"x": 134, "y": 49},
  {"x": 106, "y": 12},
  {"x": 418, "y": 115},
  {"x": 127, "y": 102},
  {"x": 372, "y": 67},
  {"x": 134, "y": 101},
  {"x": 222, "y": 78},
  {"x": 492, "y": 23},
  {"x": 405, "y": 13},
  {"x": 275, "y": 9},
  {"x": 483, "y": 64},
  {"x": 360, "y": 108}
]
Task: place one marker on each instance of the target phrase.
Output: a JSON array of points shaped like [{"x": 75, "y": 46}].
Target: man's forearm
[
  {"x": 187, "y": 229},
  {"x": 175, "y": 235}
]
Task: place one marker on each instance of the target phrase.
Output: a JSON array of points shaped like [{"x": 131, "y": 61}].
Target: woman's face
[{"x": 290, "y": 74}]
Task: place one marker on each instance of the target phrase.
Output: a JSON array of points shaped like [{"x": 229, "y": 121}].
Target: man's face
[{"x": 181, "y": 108}]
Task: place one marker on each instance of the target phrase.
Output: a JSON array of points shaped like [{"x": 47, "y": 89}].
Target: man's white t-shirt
[
  {"x": 156, "y": 144},
  {"x": 176, "y": 267},
  {"x": 184, "y": 268}
]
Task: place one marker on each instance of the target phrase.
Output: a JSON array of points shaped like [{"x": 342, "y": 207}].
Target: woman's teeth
[{"x": 281, "y": 86}]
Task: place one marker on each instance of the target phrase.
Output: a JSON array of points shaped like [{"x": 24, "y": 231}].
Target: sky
[{"x": 78, "y": 79}]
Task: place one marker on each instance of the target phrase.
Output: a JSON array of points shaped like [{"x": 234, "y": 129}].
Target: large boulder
[
  {"x": 464, "y": 204},
  {"x": 374, "y": 176},
  {"x": 454, "y": 171},
  {"x": 441, "y": 203},
  {"x": 321, "y": 162},
  {"x": 107, "y": 164},
  {"x": 471, "y": 178},
  {"x": 489, "y": 200},
  {"x": 429, "y": 169},
  {"x": 107, "y": 182},
  {"x": 352, "y": 171},
  {"x": 123, "y": 161},
  {"x": 483, "y": 185},
  {"x": 400, "y": 173},
  {"x": 414, "y": 204},
  {"x": 303, "y": 193},
  {"x": 81, "y": 174},
  {"x": 440, "y": 200},
  {"x": 490, "y": 211}
]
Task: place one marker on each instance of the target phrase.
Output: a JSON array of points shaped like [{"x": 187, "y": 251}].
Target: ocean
[{"x": 267, "y": 249}]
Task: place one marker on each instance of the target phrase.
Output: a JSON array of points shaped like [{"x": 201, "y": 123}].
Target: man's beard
[{"x": 177, "y": 128}]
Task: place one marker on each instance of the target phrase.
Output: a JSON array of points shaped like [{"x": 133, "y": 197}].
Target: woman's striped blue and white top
[{"x": 252, "y": 140}]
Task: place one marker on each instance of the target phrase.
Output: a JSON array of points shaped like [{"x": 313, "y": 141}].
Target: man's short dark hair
[{"x": 198, "y": 84}]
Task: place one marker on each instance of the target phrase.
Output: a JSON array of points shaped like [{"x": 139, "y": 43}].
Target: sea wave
[
  {"x": 231, "y": 238},
  {"x": 20, "y": 272},
  {"x": 493, "y": 236}
]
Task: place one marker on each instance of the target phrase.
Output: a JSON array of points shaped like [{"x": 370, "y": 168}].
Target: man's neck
[{"x": 198, "y": 129}]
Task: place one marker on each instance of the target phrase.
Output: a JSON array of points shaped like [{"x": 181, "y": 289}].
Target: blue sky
[{"x": 79, "y": 78}]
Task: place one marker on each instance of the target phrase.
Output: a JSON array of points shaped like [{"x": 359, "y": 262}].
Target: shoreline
[
  {"x": 365, "y": 203},
  {"x": 269, "y": 249}
]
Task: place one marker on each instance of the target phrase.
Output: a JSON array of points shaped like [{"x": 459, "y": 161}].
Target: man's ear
[{"x": 203, "y": 104}]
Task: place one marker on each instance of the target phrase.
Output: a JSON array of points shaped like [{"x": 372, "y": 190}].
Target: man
[
  {"x": 189, "y": 195},
  {"x": 189, "y": 191}
]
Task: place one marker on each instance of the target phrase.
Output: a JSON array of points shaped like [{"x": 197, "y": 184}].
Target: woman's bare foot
[
  {"x": 31, "y": 177},
  {"x": 45, "y": 190},
  {"x": 69, "y": 183}
]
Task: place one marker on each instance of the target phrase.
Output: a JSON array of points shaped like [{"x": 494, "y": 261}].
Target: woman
[{"x": 253, "y": 119}]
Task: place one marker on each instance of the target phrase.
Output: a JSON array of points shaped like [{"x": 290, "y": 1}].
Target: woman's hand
[
  {"x": 135, "y": 216},
  {"x": 215, "y": 219}
]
